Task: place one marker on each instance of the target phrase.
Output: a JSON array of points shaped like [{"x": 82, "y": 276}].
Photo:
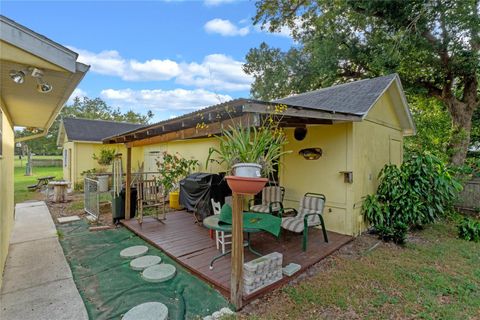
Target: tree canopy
[
  {"x": 432, "y": 44},
  {"x": 81, "y": 108}
]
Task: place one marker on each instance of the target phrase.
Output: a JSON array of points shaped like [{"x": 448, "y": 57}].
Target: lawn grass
[
  {"x": 21, "y": 181},
  {"x": 435, "y": 277}
]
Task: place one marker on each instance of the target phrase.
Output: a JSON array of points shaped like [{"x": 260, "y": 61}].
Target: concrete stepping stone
[
  {"x": 68, "y": 219},
  {"x": 147, "y": 311},
  {"x": 139, "y": 264},
  {"x": 159, "y": 273},
  {"x": 133, "y": 252}
]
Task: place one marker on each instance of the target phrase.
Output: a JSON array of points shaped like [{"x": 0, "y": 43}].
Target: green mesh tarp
[{"x": 109, "y": 287}]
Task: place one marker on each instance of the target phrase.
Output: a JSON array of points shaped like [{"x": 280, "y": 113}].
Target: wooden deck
[{"x": 191, "y": 246}]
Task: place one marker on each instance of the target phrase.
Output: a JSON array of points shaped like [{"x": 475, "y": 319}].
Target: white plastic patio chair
[{"x": 220, "y": 236}]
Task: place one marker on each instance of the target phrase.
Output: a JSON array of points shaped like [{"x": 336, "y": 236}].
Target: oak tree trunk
[
  {"x": 461, "y": 112},
  {"x": 461, "y": 126}
]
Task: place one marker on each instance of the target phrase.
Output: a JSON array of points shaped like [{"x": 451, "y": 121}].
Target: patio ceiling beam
[
  {"x": 299, "y": 112},
  {"x": 194, "y": 132},
  {"x": 296, "y": 122},
  {"x": 140, "y": 135}
]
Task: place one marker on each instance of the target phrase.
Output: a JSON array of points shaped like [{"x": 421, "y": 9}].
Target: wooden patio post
[
  {"x": 236, "y": 282},
  {"x": 128, "y": 181}
]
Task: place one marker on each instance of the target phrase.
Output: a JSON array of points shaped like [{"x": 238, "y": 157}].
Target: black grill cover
[{"x": 197, "y": 189}]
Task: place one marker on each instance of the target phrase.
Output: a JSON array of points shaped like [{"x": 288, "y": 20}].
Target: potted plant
[
  {"x": 104, "y": 160},
  {"x": 172, "y": 167},
  {"x": 251, "y": 153}
]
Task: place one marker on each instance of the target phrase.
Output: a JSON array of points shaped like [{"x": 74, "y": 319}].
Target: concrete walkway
[{"x": 37, "y": 282}]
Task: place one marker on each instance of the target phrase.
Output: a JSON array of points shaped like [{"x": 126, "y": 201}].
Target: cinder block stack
[{"x": 262, "y": 272}]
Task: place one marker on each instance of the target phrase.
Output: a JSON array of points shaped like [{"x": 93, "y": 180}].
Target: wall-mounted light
[
  {"x": 311, "y": 153},
  {"x": 18, "y": 76},
  {"x": 43, "y": 87}
]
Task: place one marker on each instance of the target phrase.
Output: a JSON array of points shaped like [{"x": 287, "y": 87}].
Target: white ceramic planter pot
[
  {"x": 102, "y": 183},
  {"x": 248, "y": 170}
]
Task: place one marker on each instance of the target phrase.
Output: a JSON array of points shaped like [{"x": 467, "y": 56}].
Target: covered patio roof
[
  {"x": 348, "y": 102},
  {"x": 212, "y": 119}
]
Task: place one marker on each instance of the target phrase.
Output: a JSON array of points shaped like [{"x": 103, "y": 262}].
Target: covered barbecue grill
[{"x": 197, "y": 189}]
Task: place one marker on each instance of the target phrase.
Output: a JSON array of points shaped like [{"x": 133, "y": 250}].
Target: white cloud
[
  {"x": 212, "y": 3},
  {"x": 109, "y": 62},
  {"x": 225, "y": 28},
  {"x": 159, "y": 100},
  {"x": 76, "y": 93},
  {"x": 152, "y": 70},
  {"x": 216, "y": 71}
]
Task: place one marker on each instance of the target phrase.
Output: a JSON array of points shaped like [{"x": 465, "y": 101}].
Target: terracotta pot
[{"x": 243, "y": 185}]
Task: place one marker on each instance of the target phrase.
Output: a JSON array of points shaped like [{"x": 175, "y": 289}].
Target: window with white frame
[{"x": 65, "y": 157}]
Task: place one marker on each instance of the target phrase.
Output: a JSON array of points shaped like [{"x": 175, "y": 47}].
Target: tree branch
[{"x": 432, "y": 89}]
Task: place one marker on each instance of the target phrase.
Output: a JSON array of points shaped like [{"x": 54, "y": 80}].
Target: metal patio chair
[
  {"x": 309, "y": 214},
  {"x": 272, "y": 200}
]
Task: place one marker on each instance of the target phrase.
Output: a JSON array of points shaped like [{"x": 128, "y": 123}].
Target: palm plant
[{"x": 247, "y": 144}]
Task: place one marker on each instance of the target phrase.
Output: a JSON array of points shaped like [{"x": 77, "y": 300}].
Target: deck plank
[{"x": 190, "y": 245}]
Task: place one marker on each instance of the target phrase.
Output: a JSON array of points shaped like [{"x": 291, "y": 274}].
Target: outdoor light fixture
[
  {"x": 43, "y": 87},
  {"x": 311, "y": 153},
  {"x": 19, "y": 78}
]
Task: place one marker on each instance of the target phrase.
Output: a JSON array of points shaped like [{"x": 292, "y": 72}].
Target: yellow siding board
[
  {"x": 190, "y": 149},
  {"x": 378, "y": 140},
  {"x": 82, "y": 158},
  {"x": 299, "y": 175},
  {"x": 383, "y": 112},
  {"x": 6, "y": 189}
]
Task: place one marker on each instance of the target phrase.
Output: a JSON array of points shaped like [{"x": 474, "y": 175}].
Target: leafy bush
[
  {"x": 106, "y": 157},
  {"x": 78, "y": 186},
  {"x": 469, "y": 229},
  {"x": 172, "y": 168},
  {"x": 417, "y": 193}
]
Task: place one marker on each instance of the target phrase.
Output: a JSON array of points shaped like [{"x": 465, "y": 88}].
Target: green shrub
[
  {"x": 78, "y": 186},
  {"x": 469, "y": 229},
  {"x": 106, "y": 157},
  {"x": 172, "y": 168},
  {"x": 418, "y": 192}
]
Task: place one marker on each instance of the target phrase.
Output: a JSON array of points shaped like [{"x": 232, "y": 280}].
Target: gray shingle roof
[
  {"x": 79, "y": 129},
  {"x": 352, "y": 98}
]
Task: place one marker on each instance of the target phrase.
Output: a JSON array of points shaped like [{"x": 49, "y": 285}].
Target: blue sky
[{"x": 168, "y": 56}]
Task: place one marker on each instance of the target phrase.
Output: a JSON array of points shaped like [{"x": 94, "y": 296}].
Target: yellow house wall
[
  {"x": 82, "y": 158},
  {"x": 299, "y": 175},
  {"x": 378, "y": 140},
  {"x": 189, "y": 149},
  {"x": 6, "y": 189}
]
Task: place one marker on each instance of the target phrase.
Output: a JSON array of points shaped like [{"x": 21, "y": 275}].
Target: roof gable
[
  {"x": 78, "y": 129},
  {"x": 358, "y": 98},
  {"x": 353, "y": 98}
]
